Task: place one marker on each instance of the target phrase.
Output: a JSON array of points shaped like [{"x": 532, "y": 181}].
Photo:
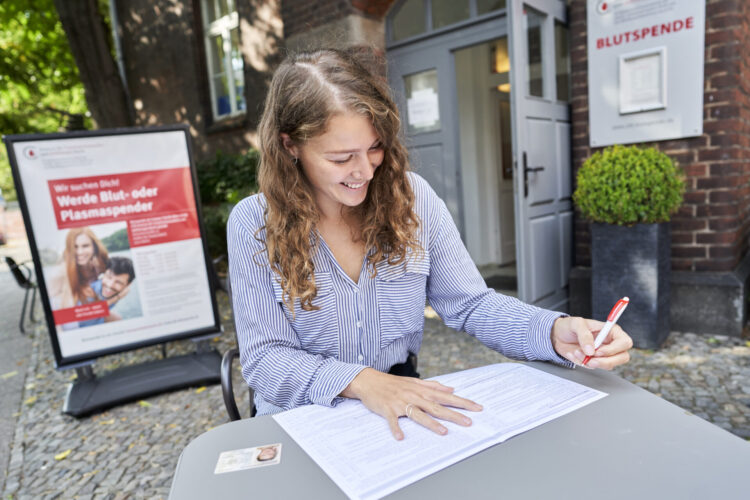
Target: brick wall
[
  {"x": 373, "y": 8},
  {"x": 165, "y": 66},
  {"x": 303, "y": 15},
  {"x": 710, "y": 232}
]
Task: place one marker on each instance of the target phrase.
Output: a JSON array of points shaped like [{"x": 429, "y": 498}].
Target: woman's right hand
[{"x": 423, "y": 401}]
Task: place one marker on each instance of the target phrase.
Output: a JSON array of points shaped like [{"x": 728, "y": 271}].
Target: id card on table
[{"x": 248, "y": 458}]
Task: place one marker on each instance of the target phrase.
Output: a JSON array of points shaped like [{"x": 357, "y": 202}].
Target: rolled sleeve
[
  {"x": 540, "y": 338},
  {"x": 460, "y": 296},
  {"x": 331, "y": 380}
]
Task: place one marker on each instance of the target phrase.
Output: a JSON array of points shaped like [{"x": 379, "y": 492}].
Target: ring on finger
[{"x": 408, "y": 410}]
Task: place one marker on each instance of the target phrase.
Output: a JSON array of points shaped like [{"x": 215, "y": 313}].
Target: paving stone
[
  {"x": 88, "y": 488},
  {"x": 113, "y": 477}
]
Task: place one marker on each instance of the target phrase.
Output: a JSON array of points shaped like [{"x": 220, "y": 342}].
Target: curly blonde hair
[{"x": 306, "y": 91}]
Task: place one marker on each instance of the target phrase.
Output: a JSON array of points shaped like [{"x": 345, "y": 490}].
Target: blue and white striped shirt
[{"x": 311, "y": 357}]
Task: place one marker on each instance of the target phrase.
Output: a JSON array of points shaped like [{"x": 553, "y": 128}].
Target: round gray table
[{"x": 630, "y": 444}]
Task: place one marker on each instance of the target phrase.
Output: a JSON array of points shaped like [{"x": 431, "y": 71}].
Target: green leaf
[
  {"x": 39, "y": 79},
  {"x": 223, "y": 181}
]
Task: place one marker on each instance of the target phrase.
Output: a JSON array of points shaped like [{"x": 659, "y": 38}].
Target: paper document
[{"x": 356, "y": 449}]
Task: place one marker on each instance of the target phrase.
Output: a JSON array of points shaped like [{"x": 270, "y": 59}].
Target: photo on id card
[{"x": 248, "y": 458}]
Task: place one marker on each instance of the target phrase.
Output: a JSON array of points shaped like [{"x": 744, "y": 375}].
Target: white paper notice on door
[{"x": 422, "y": 109}]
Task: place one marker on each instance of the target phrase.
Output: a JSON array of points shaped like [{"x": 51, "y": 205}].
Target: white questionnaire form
[{"x": 356, "y": 449}]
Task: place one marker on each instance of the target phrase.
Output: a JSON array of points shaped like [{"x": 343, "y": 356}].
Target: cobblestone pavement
[
  {"x": 131, "y": 451},
  {"x": 14, "y": 347},
  {"x": 14, "y": 358}
]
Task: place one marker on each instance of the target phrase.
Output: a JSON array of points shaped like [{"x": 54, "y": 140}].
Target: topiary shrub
[
  {"x": 628, "y": 185},
  {"x": 223, "y": 181}
]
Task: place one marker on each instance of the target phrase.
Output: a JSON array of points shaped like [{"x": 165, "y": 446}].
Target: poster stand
[
  {"x": 116, "y": 234},
  {"x": 89, "y": 393}
]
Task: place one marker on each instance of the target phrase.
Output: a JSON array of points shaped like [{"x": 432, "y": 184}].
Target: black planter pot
[{"x": 632, "y": 261}]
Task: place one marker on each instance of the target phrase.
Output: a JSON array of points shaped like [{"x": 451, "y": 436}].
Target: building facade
[
  {"x": 494, "y": 99},
  {"x": 710, "y": 261}
]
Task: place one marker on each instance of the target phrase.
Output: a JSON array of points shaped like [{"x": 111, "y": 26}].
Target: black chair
[
  {"x": 24, "y": 276},
  {"x": 227, "y": 391}
]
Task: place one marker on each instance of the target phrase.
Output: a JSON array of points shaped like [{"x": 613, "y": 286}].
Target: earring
[{"x": 295, "y": 160}]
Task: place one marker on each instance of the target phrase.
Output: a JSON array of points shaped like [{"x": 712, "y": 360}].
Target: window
[
  {"x": 225, "y": 65},
  {"x": 534, "y": 21},
  {"x": 409, "y": 20},
  {"x": 447, "y": 12},
  {"x": 485, "y": 6},
  {"x": 412, "y": 18},
  {"x": 562, "y": 61}
]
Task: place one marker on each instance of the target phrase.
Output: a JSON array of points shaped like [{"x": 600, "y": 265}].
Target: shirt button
[
  {"x": 359, "y": 324},
  {"x": 360, "y": 358}
]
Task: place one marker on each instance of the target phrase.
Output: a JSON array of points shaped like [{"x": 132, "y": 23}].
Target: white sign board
[{"x": 645, "y": 60}]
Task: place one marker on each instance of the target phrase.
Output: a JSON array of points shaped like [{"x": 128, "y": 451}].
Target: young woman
[
  {"x": 84, "y": 259},
  {"x": 332, "y": 262}
]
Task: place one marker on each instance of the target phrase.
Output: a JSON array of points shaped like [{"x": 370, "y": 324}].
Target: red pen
[{"x": 614, "y": 315}]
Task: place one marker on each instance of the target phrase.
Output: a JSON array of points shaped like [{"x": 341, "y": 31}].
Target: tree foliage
[
  {"x": 223, "y": 181},
  {"x": 39, "y": 83},
  {"x": 89, "y": 35}
]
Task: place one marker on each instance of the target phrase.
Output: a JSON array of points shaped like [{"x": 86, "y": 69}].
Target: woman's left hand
[{"x": 573, "y": 339}]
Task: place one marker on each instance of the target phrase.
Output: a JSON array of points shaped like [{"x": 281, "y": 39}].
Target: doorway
[
  {"x": 453, "y": 92},
  {"x": 493, "y": 143},
  {"x": 486, "y": 159}
]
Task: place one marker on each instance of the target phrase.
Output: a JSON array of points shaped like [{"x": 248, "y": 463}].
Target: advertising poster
[{"x": 115, "y": 233}]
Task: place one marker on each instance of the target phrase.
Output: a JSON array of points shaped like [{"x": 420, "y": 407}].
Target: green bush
[
  {"x": 223, "y": 181},
  {"x": 627, "y": 185}
]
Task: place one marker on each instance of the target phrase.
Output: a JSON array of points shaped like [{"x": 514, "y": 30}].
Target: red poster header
[
  {"x": 85, "y": 201},
  {"x": 644, "y": 32}
]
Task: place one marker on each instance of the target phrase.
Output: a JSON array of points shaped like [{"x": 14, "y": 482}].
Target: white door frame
[{"x": 541, "y": 138}]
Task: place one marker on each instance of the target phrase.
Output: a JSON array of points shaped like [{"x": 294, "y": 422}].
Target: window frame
[
  {"x": 430, "y": 30},
  {"x": 222, "y": 27}
]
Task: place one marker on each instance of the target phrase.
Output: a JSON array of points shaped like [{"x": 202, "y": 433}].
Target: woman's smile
[{"x": 355, "y": 186}]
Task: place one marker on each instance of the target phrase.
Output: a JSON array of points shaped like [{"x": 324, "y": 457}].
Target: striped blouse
[{"x": 312, "y": 356}]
